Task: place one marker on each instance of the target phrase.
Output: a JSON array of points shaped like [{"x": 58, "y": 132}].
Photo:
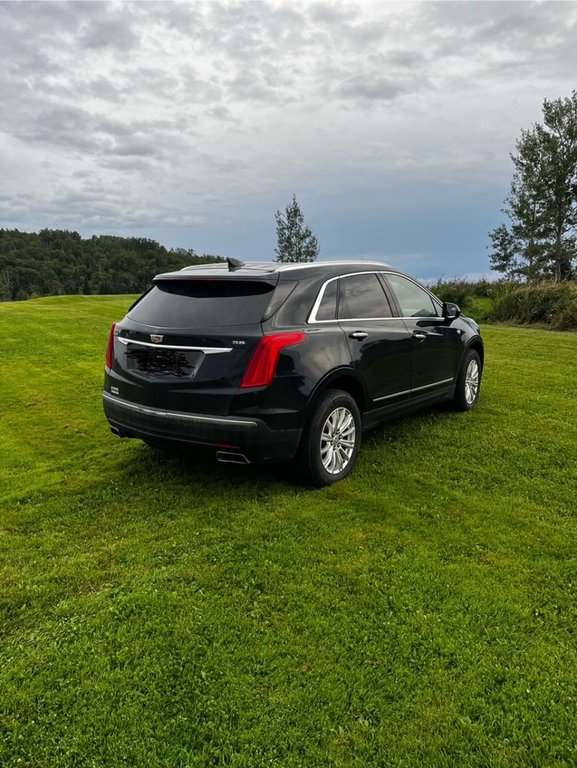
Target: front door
[{"x": 434, "y": 343}]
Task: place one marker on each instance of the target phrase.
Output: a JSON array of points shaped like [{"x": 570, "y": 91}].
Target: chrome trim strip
[
  {"x": 206, "y": 350},
  {"x": 176, "y": 414},
  {"x": 415, "y": 389},
  {"x": 396, "y": 394}
]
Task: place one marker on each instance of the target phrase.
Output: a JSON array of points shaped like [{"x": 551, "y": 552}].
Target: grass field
[{"x": 158, "y": 610}]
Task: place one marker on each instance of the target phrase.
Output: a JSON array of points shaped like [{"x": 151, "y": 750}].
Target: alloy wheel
[
  {"x": 472, "y": 382},
  {"x": 337, "y": 440}
]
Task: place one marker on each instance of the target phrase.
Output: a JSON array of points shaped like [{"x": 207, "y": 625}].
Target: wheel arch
[
  {"x": 346, "y": 386},
  {"x": 477, "y": 345},
  {"x": 344, "y": 379}
]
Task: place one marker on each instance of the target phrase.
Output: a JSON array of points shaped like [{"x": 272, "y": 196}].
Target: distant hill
[{"x": 54, "y": 261}]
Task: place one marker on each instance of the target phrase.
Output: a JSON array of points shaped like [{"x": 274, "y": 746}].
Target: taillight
[
  {"x": 262, "y": 366},
  {"x": 110, "y": 347}
]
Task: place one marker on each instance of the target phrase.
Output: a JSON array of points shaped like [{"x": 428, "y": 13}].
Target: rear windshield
[{"x": 203, "y": 303}]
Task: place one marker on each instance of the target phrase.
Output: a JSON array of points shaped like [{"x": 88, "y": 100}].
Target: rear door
[
  {"x": 379, "y": 343},
  {"x": 185, "y": 345}
]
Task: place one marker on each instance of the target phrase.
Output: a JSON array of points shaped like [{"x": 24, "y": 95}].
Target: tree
[
  {"x": 540, "y": 241},
  {"x": 518, "y": 249},
  {"x": 295, "y": 241},
  {"x": 558, "y": 137}
]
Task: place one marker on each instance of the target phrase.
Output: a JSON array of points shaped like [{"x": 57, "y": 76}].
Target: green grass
[{"x": 158, "y": 610}]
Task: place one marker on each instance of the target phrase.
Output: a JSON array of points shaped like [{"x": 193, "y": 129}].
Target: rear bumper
[{"x": 252, "y": 436}]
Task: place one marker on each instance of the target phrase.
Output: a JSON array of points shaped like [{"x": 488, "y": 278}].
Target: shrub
[
  {"x": 457, "y": 291},
  {"x": 566, "y": 320},
  {"x": 474, "y": 298},
  {"x": 549, "y": 303}
]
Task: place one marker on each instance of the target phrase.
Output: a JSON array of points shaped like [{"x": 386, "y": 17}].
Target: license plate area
[{"x": 163, "y": 363}]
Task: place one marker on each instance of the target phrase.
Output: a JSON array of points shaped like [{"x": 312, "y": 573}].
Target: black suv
[{"x": 268, "y": 362}]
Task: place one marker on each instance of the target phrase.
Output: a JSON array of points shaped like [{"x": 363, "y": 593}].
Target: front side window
[
  {"x": 413, "y": 300},
  {"x": 362, "y": 296}
]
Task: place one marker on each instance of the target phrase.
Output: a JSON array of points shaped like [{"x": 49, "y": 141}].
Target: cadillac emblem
[{"x": 156, "y": 338}]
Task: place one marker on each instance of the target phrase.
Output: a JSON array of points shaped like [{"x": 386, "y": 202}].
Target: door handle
[
  {"x": 358, "y": 335},
  {"x": 420, "y": 335}
]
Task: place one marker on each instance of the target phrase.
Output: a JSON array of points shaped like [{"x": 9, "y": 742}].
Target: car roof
[{"x": 268, "y": 269}]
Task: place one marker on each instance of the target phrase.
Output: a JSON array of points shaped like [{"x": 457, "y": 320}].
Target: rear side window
[
  {"x": 362, "y": 296},
  {"x": 328, "y": 307},
  {"x": 203, "y": 303}
]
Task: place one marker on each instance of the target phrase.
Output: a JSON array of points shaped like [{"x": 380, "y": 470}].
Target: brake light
[
  {"x": 110, "y": 347},
  {"x": 262, "y": 366}
]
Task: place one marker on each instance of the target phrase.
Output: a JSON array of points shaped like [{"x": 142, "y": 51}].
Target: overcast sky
[{"x": 191, "y": 123}]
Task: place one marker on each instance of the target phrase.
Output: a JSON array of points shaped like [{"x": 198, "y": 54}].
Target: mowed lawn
[{"x": 161, "y": 610}]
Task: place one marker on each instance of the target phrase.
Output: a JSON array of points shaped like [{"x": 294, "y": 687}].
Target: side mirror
[{"x": 450, "y": 311}]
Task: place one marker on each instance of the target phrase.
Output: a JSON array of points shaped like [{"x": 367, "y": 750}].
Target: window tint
[
  {"x": 414, "y": 301},
  {"x": 328, "y": 306},
  {"x": 203, "y": 303},
  {"x": 362, "y": 296}
]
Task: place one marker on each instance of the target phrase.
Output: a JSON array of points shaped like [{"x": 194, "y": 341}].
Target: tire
[
  {"x": 331, "y": 440},
  {"x": 468, "y": 382}
]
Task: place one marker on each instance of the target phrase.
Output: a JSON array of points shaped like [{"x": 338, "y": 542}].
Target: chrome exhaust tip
[
  {"x": 115, "y": 431},
  {"x": 227, "y": 457}
]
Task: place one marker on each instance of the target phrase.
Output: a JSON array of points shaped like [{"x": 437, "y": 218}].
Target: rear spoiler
[
  {"x": 185, "y": 277},
  {"x": 224, "y": 271}
]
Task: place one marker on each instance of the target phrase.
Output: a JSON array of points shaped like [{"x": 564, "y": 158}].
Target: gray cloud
[
  {"x": 332, "y": 13},
  {"x": 105, "y": 89},
  {"x": 220, "y": 112},
  {"x": 532, "y": 31},
  {"x": 108, "y": 33},
  {"x": 372, "y": 87}
]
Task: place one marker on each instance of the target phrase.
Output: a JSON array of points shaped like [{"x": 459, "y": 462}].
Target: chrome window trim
[
  {"x": 414, "y": 389},
  {"x": 206, "y": 350},
  {"x": 175, "y": 414},
  {"x": 358, "y": 320},
  {"x": 313, "y": 313}
]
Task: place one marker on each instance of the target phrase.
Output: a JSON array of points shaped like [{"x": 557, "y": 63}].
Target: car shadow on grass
[{"x": 196, "y": 464}]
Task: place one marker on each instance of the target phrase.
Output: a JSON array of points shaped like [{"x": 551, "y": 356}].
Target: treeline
[{"x": 54, "y": 261}]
